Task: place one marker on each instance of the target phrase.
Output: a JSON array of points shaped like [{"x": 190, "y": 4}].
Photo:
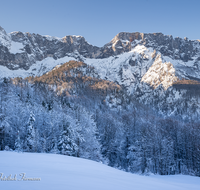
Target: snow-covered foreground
[{"x": 63, "y": 172}]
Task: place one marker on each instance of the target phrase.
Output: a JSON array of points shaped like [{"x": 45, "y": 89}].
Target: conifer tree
[
  {"x": 18, "y": 143},
  {"x": 30, "y": 137},
  {"x": 66, "y": 144}
]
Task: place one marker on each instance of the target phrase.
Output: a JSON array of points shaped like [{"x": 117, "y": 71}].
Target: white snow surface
[
  {"x": 64, "y": 172},
  {"x": 52, "y": 37},
  {"x": 16, "y": 47},
  {"x": 37, "y": 69}
]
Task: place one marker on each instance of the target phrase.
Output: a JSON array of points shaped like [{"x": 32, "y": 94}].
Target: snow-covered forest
[{"x": 71, "y": 111}]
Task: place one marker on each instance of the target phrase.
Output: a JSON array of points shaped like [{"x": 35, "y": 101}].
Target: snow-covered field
[{"x": 62, "y": 172}]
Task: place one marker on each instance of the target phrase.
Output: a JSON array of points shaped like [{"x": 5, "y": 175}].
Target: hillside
[{"x": 57, "y": 171}]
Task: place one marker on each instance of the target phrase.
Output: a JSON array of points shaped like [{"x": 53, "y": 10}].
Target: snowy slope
[
  {"x": 37, "y": 69},
  {"x": 126, "y": 69},
  {"x": 63, "y": 172}
]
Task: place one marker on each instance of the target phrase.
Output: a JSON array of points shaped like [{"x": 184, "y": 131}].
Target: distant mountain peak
[
  {"x": 2, "y": 29},
  {"x": 4, "y": 38}
]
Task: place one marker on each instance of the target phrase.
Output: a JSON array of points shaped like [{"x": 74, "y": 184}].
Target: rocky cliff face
[
  {"x": 21, "y": 50},
  {"x": 145, "y": 64},
  {"x": 175, "y": 48}
]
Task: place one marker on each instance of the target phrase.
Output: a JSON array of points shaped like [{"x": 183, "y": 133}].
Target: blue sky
[{"x": 99, "y": 21}]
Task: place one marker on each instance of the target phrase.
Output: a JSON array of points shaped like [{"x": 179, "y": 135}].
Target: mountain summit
[{"x": 21, "y": 50}]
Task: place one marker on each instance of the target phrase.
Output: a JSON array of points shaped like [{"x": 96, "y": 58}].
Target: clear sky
[{"x": 100, "y": 20}]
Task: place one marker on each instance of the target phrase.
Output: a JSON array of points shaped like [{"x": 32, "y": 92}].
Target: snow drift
[{"x": 64, "y": 172}]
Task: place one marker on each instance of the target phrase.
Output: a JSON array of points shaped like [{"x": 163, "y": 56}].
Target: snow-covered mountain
[{"x": 146, "y": 64}]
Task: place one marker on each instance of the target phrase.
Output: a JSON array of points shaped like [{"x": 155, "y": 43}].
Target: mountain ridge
[
  {"x": 135, "y": 61},
  {"x": 21, "y": 50}
]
